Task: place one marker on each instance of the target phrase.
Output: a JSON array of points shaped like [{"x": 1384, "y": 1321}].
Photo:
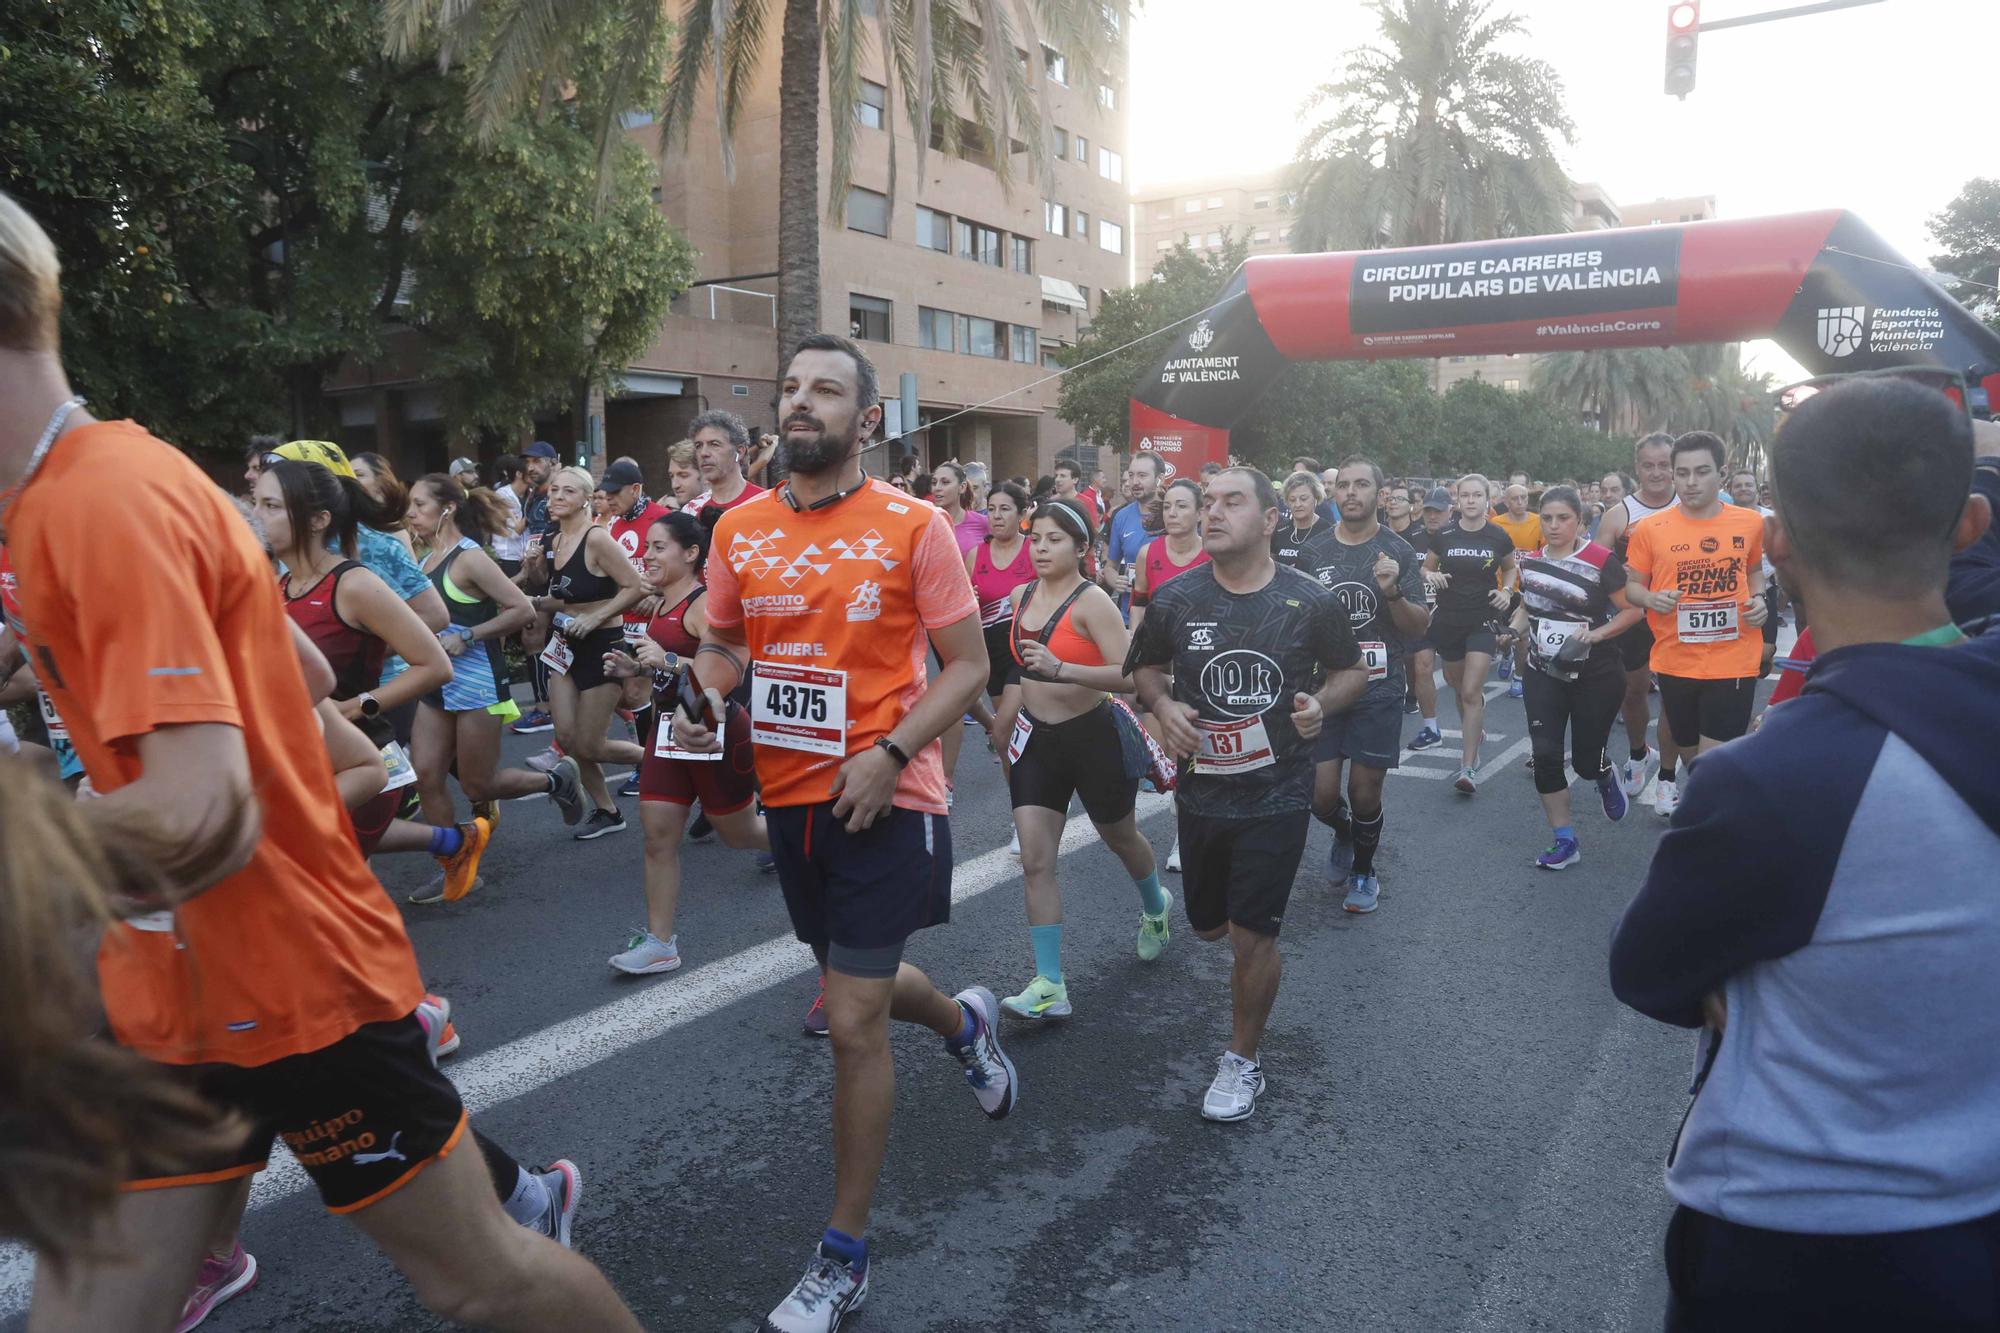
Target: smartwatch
[
  {"x": 370, "y": 705},
  {"x": 895, "y": 751}
]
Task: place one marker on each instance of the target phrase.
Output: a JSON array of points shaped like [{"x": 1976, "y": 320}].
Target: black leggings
[{"x": 1585, "y": 707}]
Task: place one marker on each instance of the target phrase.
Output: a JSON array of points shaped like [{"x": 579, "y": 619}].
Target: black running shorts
[
  {"x": 1717, "y": 709},
  {"x": 363, "y": 1116},
  {"x": 1371, "y": 732},
  {"x": 1455, "y": 636},
  {"x": 1240, "y": 871},
  {"x": 856, "y": 897},
  {"x": 1635, "y": 647},
  {"x": 1081, "y": 756}
]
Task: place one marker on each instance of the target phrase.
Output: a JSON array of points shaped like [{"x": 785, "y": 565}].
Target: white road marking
[{"x": 533, "y": 1062}]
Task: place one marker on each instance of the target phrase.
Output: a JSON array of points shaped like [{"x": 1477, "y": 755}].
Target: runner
[
  {"x": 670, "y": 781},
  {"x": 458, "y": 731},
  {"x": 997, "y": 566},
  {"x": 683, "y": 478},
  {"x": 1743, "y": 490},
  {"x": 1698, "y": 570},
  {"x": 510, "y": 538},
  {"x": 952, "y": 493},
  {"x": 1379, "y": 581},
  {"x": 1240, "y": 662},
  {"x": 853, "y": 782},
  {"x": 1524, "y": 529},
  {"x": 719, "y": 441},
  {"x": 1126, "y": 533},
  {"x": 1423, "y": 651},
  {"x": 593, "y": 584},
  {"x": 1070, "y": 741},
  {"x": 633, "y": 513},
  {"x": 1175, "y": 551},
  {"x": 1469, "y": 567},
  {"x": 275, "y": 978},
  {"x": 1302, "y": 537},
  {"x": 384, "y": 487},
  {"x": 1652, "y": 460},
  {"x": 1573, "y": 608}
]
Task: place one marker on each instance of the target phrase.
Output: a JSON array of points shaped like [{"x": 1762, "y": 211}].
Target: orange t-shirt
[
  {"x": 1709, "y": 561},
  {"x": 1525, "y": 530},
  {"x": 835, "y": 606},
  {"x": 182, "y": 625}
]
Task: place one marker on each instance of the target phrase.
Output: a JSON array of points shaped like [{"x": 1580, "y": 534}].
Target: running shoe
[
  {"x": 432, "y": 891},
  {"x": 1612, "y": 793},
  {"x": 1425, "y": 738},
  {"x": 825, "y": 1297},
  {"x": 987, "y": 1068},
  {"x": 631, "y": 788},
  {"x": 815, "y": 1024},
  {"x": 1466, "y": 782},
  {"x": 1506, "y": 665},
  {"x": 1042, "y": 999},
  {"x": 1340, "y": 860},
  {"x": 566, "y": 789},
  {"x": 1411, "y": 706},
  {"x": 1173, "y": 857},
  {"x": 565, "y": 1186},
  {"x": 767, "y": 864},
  {"x": 1666, "y": 799},
  {"x": 600, "y": 823},
  {"x": 1362, "y": 893},
  {"x": 1153, "y": 933},
  {"x": 1514, "y": 690},
  {"x": 220, "y": 1279},
  {"x": 1233, "y": 1095},
  {"x": 1635, "y": 773},
  {"x": 534, "y": 720},
  {"x": 434, "y": 1015},
  {"x": 461, "y": 868},
  {"x": 699, "y": 829},
  {"x": 544, "y": 761},
  {"x": 1014, "y": 848},
  {"x": 1563, "y": 852},
  {"x": 646, "y": 953},
  {"x": 488, "y": 811}
]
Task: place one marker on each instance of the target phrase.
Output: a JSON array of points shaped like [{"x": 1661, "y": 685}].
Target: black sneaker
[
  {"x": 631, "y": 787},
  {"x": 1410, "y": 706},
  {"x": 699, "y": 829},
  {"x": 600, "y": 823}
]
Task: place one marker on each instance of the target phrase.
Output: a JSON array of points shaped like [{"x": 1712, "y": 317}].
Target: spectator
[{"x": 1839, "y": 1167}]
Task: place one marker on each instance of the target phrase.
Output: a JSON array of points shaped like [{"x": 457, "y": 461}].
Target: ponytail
[{"x": 478, "y": 513}]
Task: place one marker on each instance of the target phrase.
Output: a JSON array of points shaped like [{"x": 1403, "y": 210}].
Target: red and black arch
[{"x": 1821, "y": 285}]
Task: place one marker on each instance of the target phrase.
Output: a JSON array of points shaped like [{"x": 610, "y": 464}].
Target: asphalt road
[{"x": 1463, "y": 1130}]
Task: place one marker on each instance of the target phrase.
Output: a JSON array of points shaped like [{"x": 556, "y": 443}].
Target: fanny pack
[{"x": 1144, "y": 760}]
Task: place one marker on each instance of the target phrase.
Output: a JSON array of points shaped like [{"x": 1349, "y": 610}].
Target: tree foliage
[
  {"x": 1969, "y": 230},
  {"x": 247, "y": 194}
]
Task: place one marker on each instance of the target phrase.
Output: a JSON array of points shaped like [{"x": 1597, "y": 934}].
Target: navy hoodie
[{"x": 1836, "y": 876}]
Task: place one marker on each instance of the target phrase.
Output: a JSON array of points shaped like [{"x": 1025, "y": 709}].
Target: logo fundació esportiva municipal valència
[
  {"x": 1842, "y": 329},
  {"x": 1202, "y": 336}
]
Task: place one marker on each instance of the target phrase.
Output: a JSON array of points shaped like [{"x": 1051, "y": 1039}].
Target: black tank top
[{"x": 574, "y": 583}]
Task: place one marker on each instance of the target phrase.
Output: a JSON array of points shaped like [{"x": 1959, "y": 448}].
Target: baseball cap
[
  {"x": 540, "y": 449},
  {"x": 459, "y": 465},
  {"x": 620, "y": 475},
  {"x": 323, "y": 452},
  {"x": 1439, "y": 498}
]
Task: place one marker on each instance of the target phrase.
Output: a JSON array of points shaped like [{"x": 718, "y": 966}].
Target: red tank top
[
  {"x": 354, "y": 654},
  {"x": 1160, "y": 567},
  {"x": 669, "y": 630},
  {"x": 992, "y": 586}
]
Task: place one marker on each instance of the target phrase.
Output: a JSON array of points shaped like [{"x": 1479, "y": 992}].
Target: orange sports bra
[{"x": 1058, "y": 635}]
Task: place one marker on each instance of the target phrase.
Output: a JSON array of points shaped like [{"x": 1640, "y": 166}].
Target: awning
[{"x": 1061, "y": 291}]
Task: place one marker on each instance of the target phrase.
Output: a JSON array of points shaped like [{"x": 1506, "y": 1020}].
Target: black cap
[
  {"x": 540, "y": 449},
  {"x": 1439, "y": 498},
  {"x": 620, "y": 475}
]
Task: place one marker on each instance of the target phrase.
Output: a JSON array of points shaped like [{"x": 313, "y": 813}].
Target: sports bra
[
  {"x": 465, "y": 608},
  {"x": 669, "y": 630},
  {"x": 354, "y": 654},
  {"x": 1058, "y": 635},
  {"x": 1161, "y": 569},
  {"x": 575, "y": 584},
  {"x": 992, "y": 585}
]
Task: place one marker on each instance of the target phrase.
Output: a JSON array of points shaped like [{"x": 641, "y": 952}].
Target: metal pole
[{"x": 1794, "y": 12}]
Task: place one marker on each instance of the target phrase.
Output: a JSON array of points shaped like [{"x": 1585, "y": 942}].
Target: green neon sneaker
[
  {"x": 1153, "y": 932},
  {"x": 1043, "y": 999}
]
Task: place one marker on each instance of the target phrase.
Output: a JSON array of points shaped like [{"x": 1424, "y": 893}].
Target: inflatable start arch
[{"x": 1821, "y": 285}]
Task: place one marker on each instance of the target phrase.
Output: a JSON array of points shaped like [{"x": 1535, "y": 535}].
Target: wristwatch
[
  {"x": 895, "y": 751},
  {"x": 370, "y": 705},
  {"x": 1395, "y": 593}
]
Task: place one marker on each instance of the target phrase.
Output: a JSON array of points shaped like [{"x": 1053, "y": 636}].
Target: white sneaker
[
  {"x": 1014, "y": 844},
  {"x": 828, "y": 1293},
  {"x": 1174, "y": 858},
  {"x": 1233, "y": 1094},
  {"x": 1666, "y": 799},
  {"x": 1633, "y": 778},
  {"x": 988, "y": 1071}
]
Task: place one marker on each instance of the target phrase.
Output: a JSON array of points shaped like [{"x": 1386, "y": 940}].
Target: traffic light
[{"x": 1683, "y": 30}]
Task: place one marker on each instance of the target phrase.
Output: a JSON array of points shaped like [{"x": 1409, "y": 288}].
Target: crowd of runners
[{"x": 786, "y": 652}]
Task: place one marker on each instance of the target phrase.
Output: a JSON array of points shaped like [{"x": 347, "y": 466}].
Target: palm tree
[
  {"x": 968, "y": 69},
  {"x": 1434, "y": 136},
  {"x": 1726, "y": 399},
  {"x": 1632, "y": 389}
]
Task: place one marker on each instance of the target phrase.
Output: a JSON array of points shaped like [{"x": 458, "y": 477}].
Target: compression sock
[
  {"x": 1340, "y": 819},
  {"x": 1048, "y": 950},
  {"x": 447, "y": 841},
  {"x": 1566, "y": 832},
  {"x": 848, "y": 1249},
  {"x": 1367, "y": 837},
  {"x": 1666, "y": 772},
  {"x": 1152, "y": 898},
  {"x": 521, "y": 1193}
]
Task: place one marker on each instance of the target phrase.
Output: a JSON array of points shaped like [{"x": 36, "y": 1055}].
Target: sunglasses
[{"x": 1948, "y": 382}]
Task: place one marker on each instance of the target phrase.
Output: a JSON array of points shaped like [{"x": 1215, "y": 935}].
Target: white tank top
[{"x": 1636, "y": 509}]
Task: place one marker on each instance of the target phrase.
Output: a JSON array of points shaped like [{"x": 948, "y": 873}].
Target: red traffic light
[
  {"x": 1684, "y": 17},
  {"x": 1683, "y": 32}
]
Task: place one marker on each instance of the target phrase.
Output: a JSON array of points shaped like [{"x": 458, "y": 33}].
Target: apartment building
[{"x": 1255, "y": 206}]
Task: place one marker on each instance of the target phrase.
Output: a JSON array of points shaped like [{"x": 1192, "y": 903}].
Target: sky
[{"x": 1885, "y": 109}]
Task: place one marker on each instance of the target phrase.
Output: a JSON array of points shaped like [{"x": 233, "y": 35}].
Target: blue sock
[
  {"x": 1152, "y": 897},
  {"x": 1566, "y": 832},
  {"x": 850, "y": 1251},
  {"x": 1048, "y": 950},
  {"x": 967, "y": 1028},
  {"x": 446, "y": 841}
]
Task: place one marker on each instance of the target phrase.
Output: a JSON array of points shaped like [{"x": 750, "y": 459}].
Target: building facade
[{"x": 1256, "y": 207}]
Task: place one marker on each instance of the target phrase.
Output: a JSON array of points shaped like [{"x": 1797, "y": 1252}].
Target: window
[
  {"x": 1163, "y": 246},
  {"x": 934, "y": 329},
  {"x": 868, "y": 318},
  {"x": 1511, "y": 386},
  {"x": 1084, "y": 292},
  {"x": 1215, "y": 239},
  {"x": 1192, "y": 206},
  {"x": 1107, "y": 97},
  {"x": 979, "y": 244},
  {"x": 1163, "y": 215},
  {"x": 1082, "y": 149},
  {"x": 933, "y": 229},
  {"x": 1022, "y": 338},
  {"x": 1054, "y": 65},
  {"x": 1261, "y": 234},
  {"x": 1110, "y": 165},
  {"x": 1110, "y": 236},
  {"x": 1082, "y": 225},
  {"x": 867, "y": 211},
  {"x": 1021, "y": 254},
  {"x": 980, "y": 337},
  {"x": 1055, "y": 219},
  {"x": 1215, "y": 201},
  {"x": 1261, "y": 201},
  {"x": 871, "y": 110},
  {"x": 1060, "y": 138},
  {"x": 1049, "y": 355}
]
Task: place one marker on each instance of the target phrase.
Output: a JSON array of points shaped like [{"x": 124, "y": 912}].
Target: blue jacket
[{"x": 1837, "y": 877}]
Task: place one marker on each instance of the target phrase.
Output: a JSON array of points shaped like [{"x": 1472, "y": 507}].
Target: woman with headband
[{"x": 1069, "y": 643}]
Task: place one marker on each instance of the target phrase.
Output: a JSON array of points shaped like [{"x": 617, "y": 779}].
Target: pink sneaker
[{"x": 219, "y": 1280}]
